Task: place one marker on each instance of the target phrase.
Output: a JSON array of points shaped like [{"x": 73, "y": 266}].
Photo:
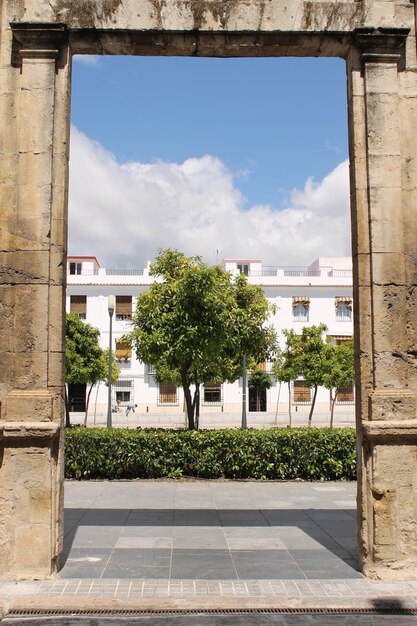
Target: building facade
[{"x": 303, "y": 296}]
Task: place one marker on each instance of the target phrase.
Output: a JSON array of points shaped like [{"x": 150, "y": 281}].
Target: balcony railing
[{"x": 124, "y": 272}]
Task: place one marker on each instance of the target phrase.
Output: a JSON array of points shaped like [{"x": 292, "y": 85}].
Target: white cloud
[
  {"x": 92, "y": 60},
  {"x": 124, "y": 213}
]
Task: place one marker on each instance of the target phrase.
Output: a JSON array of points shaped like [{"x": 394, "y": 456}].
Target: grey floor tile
[
  {"x": 202, "y": 564},
  {"x": 141, "y": 556},
  {"x": 135, "y": 570},
  {"x": 96, "y": 536},
  {"x": 188, "y": 517},
  {"x": 242, "y": 518},
  {"x": 149, "y": 517},
  {"x": 265, "y": 564},
  {"x": 146, "y": 531},
  {"x": 208, "y": 537},
  {"x": 144, "y": 542}
]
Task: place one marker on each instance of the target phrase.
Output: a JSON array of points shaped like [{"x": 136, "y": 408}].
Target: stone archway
[{"x": 378, "y": 41}]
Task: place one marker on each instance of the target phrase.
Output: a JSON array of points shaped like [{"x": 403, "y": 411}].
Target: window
[
  {"x": 243, "y": 269},
  {"x": 300, "y": 308},
  {"x": 345, "y": 394},
  {"x": 123, "y": 350},
  {"x": 123, "y": 307},
  {"x": 123, "y": 396},
  {"x": 343, "y": 309},
  {"x": 167, "y": 394},
  {"x": 124, "y": 391},
  {"x": 75, "y": 268},
  {"x": 301, "y": 392},
  {"x": 78, "y": 305},
  {"x": 212, "y": 393}
]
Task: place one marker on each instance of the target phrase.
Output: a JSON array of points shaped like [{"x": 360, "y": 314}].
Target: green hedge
[{"x": 273, "y": 454}]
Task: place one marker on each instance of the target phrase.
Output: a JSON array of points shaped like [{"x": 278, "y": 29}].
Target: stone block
[
  {"x": 390, "y": 369},
  {"x": 56, "y": 368},
  {"x": 27, "y": 405},
  {"x": 388, "y": 268},
  {"x": 384, "y": 171},
  {"x": 33, "y": 550},
  {"x": 24, "y": 370},
  {"x": 381, "y": 78},
  {"x": 389, "y": 328},
  {"x": 392, "y": 404},
  {"x": 30, "y": 313},
  {"x": 359, "y": 219},
  {"x": 56, "y": 320},
  {"x": 24, "y": 267}
]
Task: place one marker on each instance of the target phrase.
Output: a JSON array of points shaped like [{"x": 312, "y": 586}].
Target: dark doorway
[
  {"x": 257, "y": 400},
  {"x": 76, "y": 397}
]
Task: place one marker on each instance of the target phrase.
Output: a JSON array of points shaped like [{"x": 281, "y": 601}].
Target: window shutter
[
  {"x": 123, "y": 350},
  {"x": 167, "y": 393},
  {"x": 78, "y": 305},
  {"x": 123, "y": 307}
]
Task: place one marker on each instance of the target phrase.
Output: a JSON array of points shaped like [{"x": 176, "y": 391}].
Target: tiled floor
[{"x": 206, "y": 530}]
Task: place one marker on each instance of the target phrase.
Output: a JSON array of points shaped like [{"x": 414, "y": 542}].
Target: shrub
[{"x": 273, "y": 454}]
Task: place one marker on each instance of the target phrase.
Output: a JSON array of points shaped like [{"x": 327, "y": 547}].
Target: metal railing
[{"x": 124, "y": 272}]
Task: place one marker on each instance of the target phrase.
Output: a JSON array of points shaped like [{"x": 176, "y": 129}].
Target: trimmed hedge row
[{"x": 273, "y": 454}]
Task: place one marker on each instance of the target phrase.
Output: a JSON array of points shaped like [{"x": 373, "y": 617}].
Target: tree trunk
[
  {"x": 86, "y": 405},
  {"x": 310, "y": 415},
  {"x": 196, "y": 403},
  {"x": 289, "y": 405},
  {"x": 333, "y": 402},
  {"x": 67, "y": 414},
  {"x": 188, "y": 401}
]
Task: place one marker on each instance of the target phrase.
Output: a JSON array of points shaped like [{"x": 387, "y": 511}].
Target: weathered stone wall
[{"x": 378, "y": 40}]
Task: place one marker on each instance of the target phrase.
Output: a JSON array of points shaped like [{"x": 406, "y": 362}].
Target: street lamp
[{"x": 110, "y": 307}]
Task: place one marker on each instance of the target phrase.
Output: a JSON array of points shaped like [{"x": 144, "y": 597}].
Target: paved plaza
[
  {"x": 210, "y": 531},
  {"x": 211, "y": 544}
]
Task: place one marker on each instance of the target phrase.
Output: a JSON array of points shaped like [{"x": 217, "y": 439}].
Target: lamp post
[
  {"x": 110, "y": 307},
  {"x": 244, "y": 386}
]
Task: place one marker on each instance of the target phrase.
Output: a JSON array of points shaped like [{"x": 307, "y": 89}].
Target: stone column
[
  {"x": 386, "y": 403},
  {"x": 32, "y": 284}
]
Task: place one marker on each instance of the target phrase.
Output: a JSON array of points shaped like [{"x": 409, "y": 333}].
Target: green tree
[
  {"x": 287, "y": 366},
  {"x": 85, "y": 361},
  {"x": 339, "y": 370},
  {"x": 195, "y": 322}
]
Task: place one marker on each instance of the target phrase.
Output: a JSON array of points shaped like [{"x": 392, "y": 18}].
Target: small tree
[
  {"x": 86, "y": 362},
  {"x": 339, "y": 370},
  {"x": 286, "y": 366},
  {"x": 194, "y": 324},
  {"x": 311, "y": 353}
]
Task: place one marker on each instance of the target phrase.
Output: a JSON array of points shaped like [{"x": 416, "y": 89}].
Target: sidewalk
[
  {"x": 343, "y": 419},
  {"x": 209, "y": 544}
]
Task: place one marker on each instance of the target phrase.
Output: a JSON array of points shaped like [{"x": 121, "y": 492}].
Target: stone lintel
[
  {"x": 27, "y": 405},
  {"x": 396, "y": 429},
  {"x": 382, "y": 45},
  {"x": 28, "y": 430},
  {"x": 392, "y": 405},
  {"x": 37, "y": 41}
]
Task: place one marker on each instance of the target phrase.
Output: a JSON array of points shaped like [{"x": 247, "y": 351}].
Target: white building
[{"x": 304, "y": 296}]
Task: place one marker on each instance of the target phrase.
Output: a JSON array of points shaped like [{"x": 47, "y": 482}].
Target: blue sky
[{"x": 273, "y": 130}]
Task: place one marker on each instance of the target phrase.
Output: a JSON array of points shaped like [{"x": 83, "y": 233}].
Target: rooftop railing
[{"x": 280, "y": 270}]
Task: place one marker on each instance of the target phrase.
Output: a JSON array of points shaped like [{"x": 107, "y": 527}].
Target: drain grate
[{"x": 383, "y": 610}]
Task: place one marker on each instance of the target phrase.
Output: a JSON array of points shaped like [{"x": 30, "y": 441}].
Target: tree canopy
[{"x": 195, "y": 323}]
